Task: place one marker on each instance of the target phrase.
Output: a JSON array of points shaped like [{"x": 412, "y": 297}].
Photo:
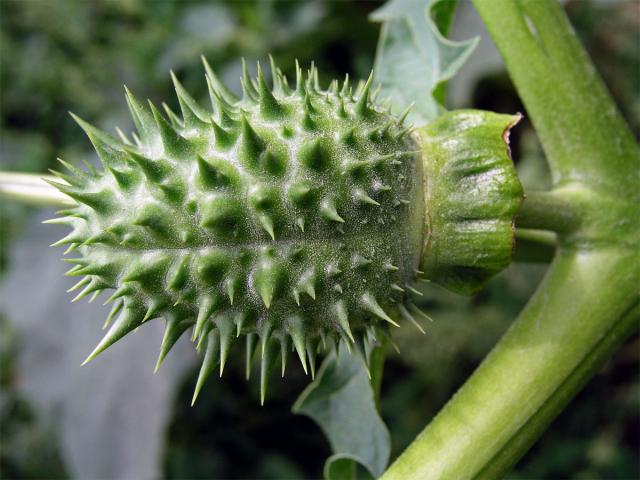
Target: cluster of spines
[
  {"x": 144, "y": 160},
  {"x": 218, "y": 340}
]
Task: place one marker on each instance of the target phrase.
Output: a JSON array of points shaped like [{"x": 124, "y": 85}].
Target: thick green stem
[
  {"x": 588, "y": 303},
  {"x": 31, "y": 189},
  {"x": 537, "y": 424},
  {"x": 500, "y": 410}
]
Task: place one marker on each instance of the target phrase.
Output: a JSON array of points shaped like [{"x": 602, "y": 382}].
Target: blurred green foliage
[
  {"x": 226, "y": 434},
  {"x": 75, "y": 55},
  {"x": 28, "y": 447}
]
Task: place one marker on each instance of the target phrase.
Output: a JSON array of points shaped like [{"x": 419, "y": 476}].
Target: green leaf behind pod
[
  {"x": 342, "y": 402},
  {"x": 413, "y": 58}
]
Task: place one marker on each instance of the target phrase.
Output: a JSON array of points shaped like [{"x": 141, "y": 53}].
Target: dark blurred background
[{"x": 62, "y": 55}]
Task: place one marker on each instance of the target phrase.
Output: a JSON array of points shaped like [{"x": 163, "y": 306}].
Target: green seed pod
[{"x": 291, "y": 215}]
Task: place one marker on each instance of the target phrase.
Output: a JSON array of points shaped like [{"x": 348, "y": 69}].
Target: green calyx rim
[{"x": 472, "y": 194}]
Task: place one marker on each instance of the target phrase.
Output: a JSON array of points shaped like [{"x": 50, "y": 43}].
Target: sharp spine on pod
[
  {"x": 208, "y": 363},
  {"x": 329, "y": 212},
  {"x": 270, "y": 108}
]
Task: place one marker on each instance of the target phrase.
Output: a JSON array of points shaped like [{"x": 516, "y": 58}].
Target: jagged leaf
[
  {"x": 341, "y": 401},
  {"x": 414, "y": 58}
]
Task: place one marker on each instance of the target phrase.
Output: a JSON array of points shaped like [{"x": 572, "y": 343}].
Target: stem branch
[{"x": 582, "y": 132}]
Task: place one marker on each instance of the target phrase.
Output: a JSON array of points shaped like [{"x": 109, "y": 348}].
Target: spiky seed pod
[{"x": 289, "y": 216}]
